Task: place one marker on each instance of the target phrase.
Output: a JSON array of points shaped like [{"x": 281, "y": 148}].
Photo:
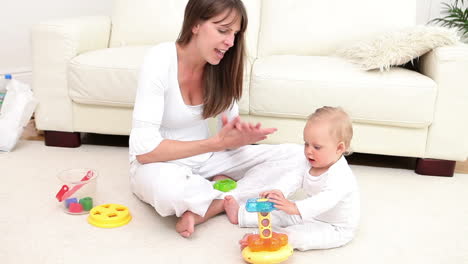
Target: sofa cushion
[
  {"x": 110, "y": 77},
  {"x": 317, "y": 27},
  {"x": 397, "y": 47},
  {"x": 143, "y": 23},
  {"x": 106, "y": 77},
  {"x": 294, "y": 86}
]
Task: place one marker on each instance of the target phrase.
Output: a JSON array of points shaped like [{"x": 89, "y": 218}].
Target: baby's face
[{"x": 320, "y": 148}]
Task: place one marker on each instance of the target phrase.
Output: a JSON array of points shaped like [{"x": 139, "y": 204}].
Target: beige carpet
[{"x": 406, "y": 218}]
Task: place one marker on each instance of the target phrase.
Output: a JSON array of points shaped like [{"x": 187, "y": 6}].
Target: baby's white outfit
[
  {"x": 329, "y": 215},
  {"x": 176, "y": 186}
]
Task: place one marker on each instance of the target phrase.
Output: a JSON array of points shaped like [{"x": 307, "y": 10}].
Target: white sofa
[{"x": 85, "y": 74}]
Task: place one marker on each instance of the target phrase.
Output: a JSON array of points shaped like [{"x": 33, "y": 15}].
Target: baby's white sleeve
[{"x": 315, "y": 205}]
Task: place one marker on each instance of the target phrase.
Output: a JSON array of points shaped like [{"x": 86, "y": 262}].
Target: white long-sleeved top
[
  {"x": 160, "y": 112},
  {"x": 332, "y": 197}
]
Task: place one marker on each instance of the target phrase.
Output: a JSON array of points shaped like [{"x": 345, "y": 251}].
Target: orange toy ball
[{"x": 256, "y": 243}]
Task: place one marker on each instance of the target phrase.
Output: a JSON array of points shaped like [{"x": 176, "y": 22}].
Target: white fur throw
[{"x": 397, "y": 47}]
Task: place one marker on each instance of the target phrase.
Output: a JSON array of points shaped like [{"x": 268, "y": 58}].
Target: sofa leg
[
  {"x": 62, "y": 139},
  {"x": 435, "y": 167}
]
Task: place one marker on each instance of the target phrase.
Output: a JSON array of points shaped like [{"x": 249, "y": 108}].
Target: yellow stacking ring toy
[
  {"x": 267, "y": 257},
  {"x": 267, "y": 247},
  {"x": 109, "y": 215}
]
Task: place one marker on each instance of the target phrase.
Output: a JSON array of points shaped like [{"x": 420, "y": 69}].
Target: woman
[{"x": 182, "y": 84}]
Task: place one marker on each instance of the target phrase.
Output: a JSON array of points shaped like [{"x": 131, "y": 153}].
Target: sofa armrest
[
  {"x": 54, "y": 44},
  {"x": 448, "y": 133}
]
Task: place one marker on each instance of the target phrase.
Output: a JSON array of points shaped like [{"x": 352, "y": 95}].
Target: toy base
[
  {"x": 109, "y": 216},
  {"x": 267, "y": 257}
]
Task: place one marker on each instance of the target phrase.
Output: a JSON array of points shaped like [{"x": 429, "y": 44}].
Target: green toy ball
[{"x": 225, "y": 185}]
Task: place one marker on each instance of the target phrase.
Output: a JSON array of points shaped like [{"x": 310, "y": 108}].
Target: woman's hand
[
  {"x": 283, "y": 204},
  {"x": 236, "y": 133}
]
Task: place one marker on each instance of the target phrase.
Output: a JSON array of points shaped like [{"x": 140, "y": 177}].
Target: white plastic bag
[{"x": 18, "y": 107}]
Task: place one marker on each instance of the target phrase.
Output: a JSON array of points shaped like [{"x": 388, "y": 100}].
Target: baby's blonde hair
[{"x": 341, "y": 124}]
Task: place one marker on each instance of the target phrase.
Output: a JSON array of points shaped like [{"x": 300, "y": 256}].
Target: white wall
[
  {"x": 17, "y": 17},
  {"x": 428, "y": 9}
]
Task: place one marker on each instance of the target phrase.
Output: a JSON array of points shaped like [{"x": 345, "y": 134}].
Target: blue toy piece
[
  {"x": 260, "y": 205},
  {"x": 70, "y": 201}
]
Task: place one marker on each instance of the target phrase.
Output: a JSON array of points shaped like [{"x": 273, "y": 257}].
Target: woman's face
[{"x": 214, "y": 37}]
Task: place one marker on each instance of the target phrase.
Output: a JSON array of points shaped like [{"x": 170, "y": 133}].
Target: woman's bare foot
[
  {"x": 220, "y": 177},
  {"x": 232, "y": 209},
  {"x": 186, "y": 224}
]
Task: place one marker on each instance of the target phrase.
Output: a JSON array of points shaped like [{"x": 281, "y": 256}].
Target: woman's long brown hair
[{"x": 222, "y": 83}]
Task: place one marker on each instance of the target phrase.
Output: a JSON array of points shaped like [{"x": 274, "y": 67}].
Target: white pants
[
  {"x": 301, "y": 235},
  {"x": 174, "y": 188}
]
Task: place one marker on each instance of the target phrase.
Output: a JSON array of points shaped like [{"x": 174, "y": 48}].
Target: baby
[{"x": 329, "y": 215}]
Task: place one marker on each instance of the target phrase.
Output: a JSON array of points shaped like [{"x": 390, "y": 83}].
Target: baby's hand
[
  {"x": 271, "y": 193},
  {"x": 281, "y": 203},
  {"x": 243, "y": 242}
]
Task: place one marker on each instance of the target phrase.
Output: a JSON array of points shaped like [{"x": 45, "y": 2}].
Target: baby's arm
[
  {"x": 281, "y": 203},
  {"x": 319, "y": 203}
]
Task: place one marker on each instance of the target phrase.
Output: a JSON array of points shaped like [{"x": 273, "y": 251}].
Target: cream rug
[{"x": 406, "y": 218}]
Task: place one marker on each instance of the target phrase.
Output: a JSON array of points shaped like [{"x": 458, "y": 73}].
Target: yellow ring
[
  {"x": 109, "y": 215},
  {"x": 267, "y": 257}
]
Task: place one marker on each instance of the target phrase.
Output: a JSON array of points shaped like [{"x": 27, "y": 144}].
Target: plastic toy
[
  {"x": 70, "y": 201},
  {"x": 64, "y": 193},
  {"x": 267, "y": 246},
  {"x": 75, "y": 208},
  {"x": 225, "y": 185},
  {"x": 259, "y": 205},
  {"x": 109, "y": 216},
  {"x": 87, "y": 203}
]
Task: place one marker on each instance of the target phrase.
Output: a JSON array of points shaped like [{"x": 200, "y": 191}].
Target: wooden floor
[
  {"x": 31, "y": 133},
  {"x": 462, "y": 167}
]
